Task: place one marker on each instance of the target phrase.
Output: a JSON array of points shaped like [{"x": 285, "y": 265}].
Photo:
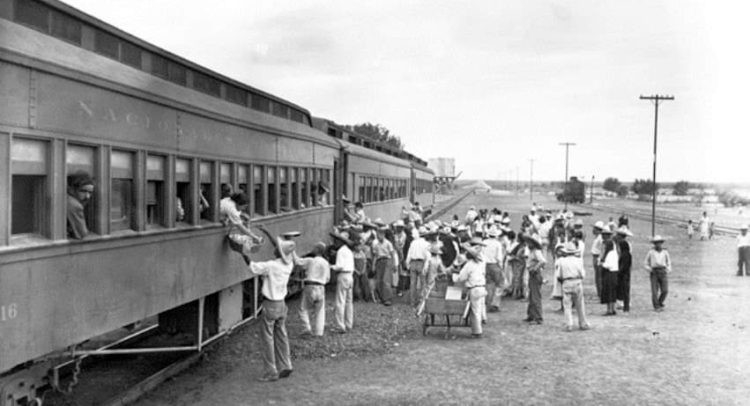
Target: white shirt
[
  {"x": 492, "y": 252},
  {"x": 471, "y": 215},
  {"x": 275, "y": 274},
  {"x": 344, "y": 259},
  {"x": 544, "y": 230},
  {"x": 597, "y": 245},
  {"x": 418, "y": 249},
  {"x": 317, "y": 269},
  {"x": 656, "y": 259},
  {"x": 229, "y": 212},
  {"x": 570, "y": 267},
  {"x": 472, "y": 273},
  {"x": 743, "y": 240}
]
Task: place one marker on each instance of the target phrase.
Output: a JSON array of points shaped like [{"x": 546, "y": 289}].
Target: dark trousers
[
  {"x": 597, "y": 276},
  {"x": 623, "y": 288},
  {"x": 534, "y": 311},
  {"x": 384, "y": 279},
  {"x": 361, "y": 289},
  {"x": 743, "y": 262},
  {"x": 659, "y": 287}
]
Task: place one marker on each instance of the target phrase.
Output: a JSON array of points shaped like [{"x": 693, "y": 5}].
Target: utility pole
[
  {"x": 531, "y": 180},
  {"x": 656, "y": 99},
  {"x": 567, "y": 146},
  {"x": 591, "y": 191}
]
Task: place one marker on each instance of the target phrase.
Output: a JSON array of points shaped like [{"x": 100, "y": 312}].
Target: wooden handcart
[{"x": 455, "y": 312}]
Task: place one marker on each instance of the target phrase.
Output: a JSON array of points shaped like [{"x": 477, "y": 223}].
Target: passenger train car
[{"x": 153, "y": 129}]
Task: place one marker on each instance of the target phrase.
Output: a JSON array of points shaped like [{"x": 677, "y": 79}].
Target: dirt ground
[{"x": 695, "y": 352}]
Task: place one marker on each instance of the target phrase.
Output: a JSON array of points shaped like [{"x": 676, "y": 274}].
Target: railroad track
[{"x": 660, "y": 219}]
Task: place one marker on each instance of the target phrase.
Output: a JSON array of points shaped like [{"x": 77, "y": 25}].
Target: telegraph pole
[
  {"x": 567, "y": 146},
  {"x": 656, "y": 99},
  {"x": 591, "y": 191},
  {"x": 531, "y": 180}
]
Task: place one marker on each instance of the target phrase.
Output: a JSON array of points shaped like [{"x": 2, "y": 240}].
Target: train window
[
  {"x": 32, "y": 13},
  {"x": 155, "y": 196},
  {"x": 297, "y": 116},
  {"x": 280, "y": 110},
  {"x": 184, "y": 201},
  {"x": 261, "y": 103},
  {"x": 242, "y": 179},
  {"x": 79, "y": 158},
  {"x": 66, "y": 28},
  {"x": 159, "y": 66},
  {"x": 325, "y": 188},
  {"x": 293, "y": 176},
  {"x": 122, "y": 201},
  {"x": 206, "y": 84},
  {"x": 381, "y": 189},
  {"x": 176, "y": 73},
  {"x": 314, "y": 179},
  {"x": 304, "y": 188},
  {"x": 259, "y": 207},
  {"x": 283, "y": 190},
  {"x": 29, "y": 182},
  {"x": 130, "y": 54},
  {"x": 206, "y": 204},
  {"x": 106, "y": 44},
  {"x": 225, "y": 179},
  {"x": 271, "y": 180},
  {"x": 236, "y": 95}
]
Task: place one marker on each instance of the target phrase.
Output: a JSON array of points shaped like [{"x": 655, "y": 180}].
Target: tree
[
  {"x": 622, "y": 191},
  {"x": 612, "y": 184},
  {"x": 644, "y": 187},
  {"x": 377, "y": 132},
  {"x": 680, "y": 188}
]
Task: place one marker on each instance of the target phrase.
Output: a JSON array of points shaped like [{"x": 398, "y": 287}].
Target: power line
[{"x": 656, "y": 99}]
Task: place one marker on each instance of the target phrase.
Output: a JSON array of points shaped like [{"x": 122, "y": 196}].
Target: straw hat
[
  {"x": 343, "y": 237},
  {"x": 743, "y": 227},
  {"x": 399, "y": 223},
  {"x": 578, "y": 223},
  {"x": 624, "y": 231},
  {"x": 291, "y": 234},
  {"x": 657, "y": 238},
  {"x": 476, "y": 241},
  {"x": 345, "y": 199},
  {"x": 570, "y": 248},
  {"x": 286, "y": 248},
  {"x": 379, "y": 222},
  {"x": 435, "y": 250},
  {"x": 599, "y": 225},
  {"x": 493, "y": 232}
]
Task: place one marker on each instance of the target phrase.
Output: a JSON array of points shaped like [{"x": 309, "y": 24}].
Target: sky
[{"x": 492, "y": 84}]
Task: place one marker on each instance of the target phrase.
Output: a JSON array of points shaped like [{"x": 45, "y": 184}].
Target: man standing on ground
[
  {"x": 571, "y": 273},
  {"x": 317, "y": 274},
  {"x": 659, "y": 265},
  {"x": 344, "y": 308},
  {"x": 384, "y": 259},
  {"x": 275, "y": 276},
  {"x": 743, "y": 252},
  {"x": 416, "y": 258}
]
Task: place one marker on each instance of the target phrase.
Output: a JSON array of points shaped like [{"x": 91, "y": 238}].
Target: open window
[
  {"x": 284, "y": 189},
  {"x": 293, "y": 176},
  {"x": 242, "y": 179},
  {"x": 183, "y": 198},
  {"x": 29, "y": 211},
  {"x": 81, "y": 159},
  {"x": 122, "y": 201},
  {"x": 225, "y": 180},
  {"x": 305, "y": 189},
  {"x": 258, "y": 204},
  {"x": 155, "y": 192},
  {"x": 206, "y": 203},
  {"x": 273, "y": 206}
]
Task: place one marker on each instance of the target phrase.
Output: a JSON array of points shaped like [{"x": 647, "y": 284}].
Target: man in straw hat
[
  {"x": 472, "y": 274},
  {"x": 493, "y": 255},
  {"x": 275, "y": 276},
  {"x": 571, "y": 273},
  {"x": 384, "y": 259},
  {"x": 317, "y": 274},
  {"x": 535, "y": 263},
  {"x": 344, "y": 309},
  {"x": 743, "y": 251},
  {"x": 659, "y": 264},
  {"x": 596, "y": 251},
  {"x": 416, "y": 258}
]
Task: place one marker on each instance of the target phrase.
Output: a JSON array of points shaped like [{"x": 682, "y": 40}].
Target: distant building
[{"x": 443, "y": 167}]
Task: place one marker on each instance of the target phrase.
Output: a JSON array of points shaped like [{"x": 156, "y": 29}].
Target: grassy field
[{"x": 696, "y": 352}]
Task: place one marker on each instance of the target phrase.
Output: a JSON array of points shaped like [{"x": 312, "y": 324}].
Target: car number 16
[{"x": 8, "y": 312}]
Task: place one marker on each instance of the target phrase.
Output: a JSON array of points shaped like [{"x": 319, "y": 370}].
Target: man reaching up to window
[{"x": 80, "y": 189}]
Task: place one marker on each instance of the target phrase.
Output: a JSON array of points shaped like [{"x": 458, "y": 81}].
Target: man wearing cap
[
  {"x": 416, "y": 258},
  {"x": 80, "y": 190},
  {"x": 596, "y": 251},
  {"x": 659, "y": 264},
  {"x": 275, "y": 276},
  {"x": 743, "y": 252},
  {"x": 384, "y": 258},
  {"x": 494, "y": 258},
  {"x": 472, "y": 274},
  {"x": 317, "y": 274},
  {"x": 344, "y": 309},
  {"x": 571, "y": 273}
]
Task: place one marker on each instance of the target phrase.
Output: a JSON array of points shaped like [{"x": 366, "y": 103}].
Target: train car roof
[{"x": 97, "y": 23}]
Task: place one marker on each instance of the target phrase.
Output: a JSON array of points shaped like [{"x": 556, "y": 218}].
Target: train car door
[{"x": 413, "y": 186}]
